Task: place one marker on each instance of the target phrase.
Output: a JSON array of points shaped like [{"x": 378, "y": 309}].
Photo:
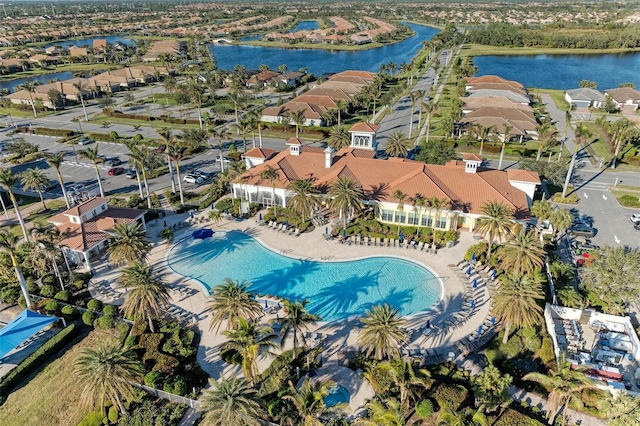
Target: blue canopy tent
[
  {"x": 202, "y": 233},
  {"x": 22, "y": 328}
]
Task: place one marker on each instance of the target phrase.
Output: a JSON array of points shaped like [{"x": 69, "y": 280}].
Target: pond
[
  {"x": 42, "y": 79},
  {"x": 322, "y": 61},
  {"x": 563, "y": 71},
  {"x": 305, "y": 25},
  {"x": 84, "y": 42}
]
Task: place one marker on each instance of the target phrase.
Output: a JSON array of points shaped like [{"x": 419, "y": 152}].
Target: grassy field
[
  {"x": 52, "y": 397},
  {"x": 556, "y": 95},
  {"x": 482, "y": 50}
]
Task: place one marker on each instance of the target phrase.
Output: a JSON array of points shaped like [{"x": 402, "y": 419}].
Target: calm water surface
[
  {"x": 305, "y": 25},
  {"x": 322, "y": 61},
  {"x": 42, "y": 79},
  {"x": 563, "y": 71}
]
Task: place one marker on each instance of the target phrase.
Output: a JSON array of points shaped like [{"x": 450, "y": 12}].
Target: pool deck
[{"x": 339, "y": 338}]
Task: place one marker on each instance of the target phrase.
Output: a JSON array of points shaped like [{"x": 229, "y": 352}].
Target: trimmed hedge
[
  {"x": 38, "y": 357},
  {"x": 53, "y": 132}
]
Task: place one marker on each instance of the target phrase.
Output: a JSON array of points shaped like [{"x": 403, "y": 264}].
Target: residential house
[
  {"x": 625, "y": 97},
  {"x": 291, "y": 78},
  {"x": 585, "y": 97},
  {"x": 100, "y": 45},
  {"x": 86, "y": 228},
  {"x": 464, "y": 185},
  {"x": 257, "y": 156},
  {"x": 263, "y": 78},
  {"x": 77, "y": 52}
]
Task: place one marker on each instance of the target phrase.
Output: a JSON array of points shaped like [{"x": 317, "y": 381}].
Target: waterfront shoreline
[{"x": 485, "y": 50}]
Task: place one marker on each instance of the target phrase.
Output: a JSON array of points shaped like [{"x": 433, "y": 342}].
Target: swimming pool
[
  {"x": 337, "y": 395},
  {"x": 336, "y": 290}
]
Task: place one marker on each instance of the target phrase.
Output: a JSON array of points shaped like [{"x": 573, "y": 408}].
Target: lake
[
  {"x": 42, "y": 79},
  {"x": 305, "y": 25},
  {"x": 83, "y": 42},
  {"x": 563, "y": 71},
  {"x": 322, "y": 61}
]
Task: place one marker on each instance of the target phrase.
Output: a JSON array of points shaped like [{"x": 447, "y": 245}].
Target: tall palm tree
[
  {"x": 397, "y": 145},
  {"x": 522, "y": 253},
  {"x": 430, "y": 108},
  {"x": 386, "y": 413},
  {"x": 271, "y": 174},
  {"x": 30, "y": 87},
  {"x": 465, "y": 417},
  {"x": 546, "y": 134},
  {"x": 47, "y": 238},
  {"x": 496, "y": 222},
  {"x": 167, "y": 140},
  {"x": 561, "y": 220},
  {"x": 221, "y": 135},
  {"x": 506, "y": 136},
  {"x": 129, "y": 244},
  {"x": 244, "y": 128},
  {"x": 298, "y": 119},
  {"x": 565, "y": 386},
  {"x": 232, "y": 402},
  {"x": 7, "y": 181},
  {"x": 55, "y": 160},
  {"x": 107, "y": 373},
  {"x": 341, "y": 105},
  {"x": 345, "y": 196},
  {"x": 339, "y": 138},
  {"x": 383, "y": 331},
  {"x": 308, "y": 400},
  {"x": 409, "y": 381},
  {"x": 623, "y": 409},
  {"x": 10, "y": 243},
  {"x": 147, "y": 295},
  {"x": 175, "y": 153},
  {"x": 140, "y": 156},
  {"x": 305, "y": 197},
  {"x": 516, "y": 302},
  {"x": 295, "y": 320},
  {"x": 35, "y": 180},
  {"x": 248, "y": 340},
  {"x": 232, "y": 300},
  {"x": 582, "y": 133},
  {"x": 80, "y": 94},
  {"x": 542, "y": 210},
  {"x": 91, "y": 154},
  {"x": 438, "y": 204},
  {"x": 482, "y": 133}
]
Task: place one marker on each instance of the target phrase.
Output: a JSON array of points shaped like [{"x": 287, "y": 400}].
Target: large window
[
  {"x": 441, "y": 223},
  {"x": 401, "y": 217},
  {"x": 361, "y": 141},
  {"x": 426, "y": 221},
  {"x": 387, "y": 215},
  {"x": 413, "y": 219}
]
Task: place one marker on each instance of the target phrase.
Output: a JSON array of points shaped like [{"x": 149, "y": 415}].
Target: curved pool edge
[{"x": 206, "y": 291}]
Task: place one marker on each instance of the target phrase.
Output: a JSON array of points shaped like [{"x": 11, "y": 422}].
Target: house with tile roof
[
  {"x": 585, "y": 97},
  {"x": 464, "y": 184},
  {"x": 85, "y": 228},
  {"x": 625, "y": 96}
]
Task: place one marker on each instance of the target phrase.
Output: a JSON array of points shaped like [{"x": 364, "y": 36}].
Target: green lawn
[
  {"x": 557, "y": 96},
  {"x": 52, "y": 397}
]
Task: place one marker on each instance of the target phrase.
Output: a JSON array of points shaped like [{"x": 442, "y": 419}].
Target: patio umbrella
[
  {"x": 493, "y": 320},
  {"x": 286, "y": 224},
  {"x": 473, "y": 256},
  {"x": 326, "y": 230},
  {"x": 473, "y": 303},
  {"x": 480, "y": 329},
  {"x": 211, "y": 206},
  {"x": 260, "y": 216},
  {"x": 469, "y": 271},
  {"x": 428, "y": 324},
  {"x": 493, "y": 274},
  {"x": 201, "y": 234},
  {"x": 344, "y": 233},
  {"x": 266, "y": 305},
  {"x": 475, "y": 283},
  {"x": 401, "y": 236},
  {"x": 191, "y": 215},
  {"x": 165, "y": 223}
]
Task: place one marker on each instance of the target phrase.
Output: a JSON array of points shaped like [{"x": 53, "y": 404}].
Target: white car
[
  {"x": 635, "y": 218},
  {"x": 193, "y": 179}
]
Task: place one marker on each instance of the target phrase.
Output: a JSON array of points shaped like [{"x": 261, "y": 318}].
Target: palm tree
[
  {"x": 147, "y": 296},
  {"x": 383, "y": 332},
  {"x": 308, "y": 400},
  {"x": 495, "y": 222},
  {"x": 107, "y": 373},
  {"x": 140, "y": 156},
  {"x": 169, "y": 139},
  {"x": 7, "y": 181},
  {"x": 386, "y": 413},
  {"x": 339, "y": 138},
  {"x": 516, "y": 302},
  {"x": 409, "y": 381},
  {"x": 430, "y": 108},
  {"x": 466, "y": 417},
  {"x": 305, "y": 197},
  {"x": 565, "y": 386},
  {"x": 560, "y": 219},
  {"x": 546, "y": 134},
  {"x": 482, "y": 133},
  {"x": 175, "y": 153},
  {"x": 244, "y": 128},
  {"x": 400, "y": 196},
  {"x": 128, "y": 244},
  {"x": 10, "y": 243},
  {"x": 506, "y": 135},
  {"x": 232, "y": 402},
  {"x": 345, "y": 196},
  {"x": 341, "y": 105},
  {"x": 30, "y": 87},
  {"x": 238, "y": 98},
  {"x": 542, "y": 210},
  {"x": 397, "y": 145},
  {"x": 582, "y": 133},
  {"x": 297, "y": 118},
  {"x": 296, "y": 319},
  {"x": 35, "y": 179},
  {"x": 271, "y": 174},
  {"x": 215, "y": 216},
  {"x": 623, "y": 409},
  {"x": 55, "y": 160},
  {"x": 221, "y": 135},
  {"x": 80, "y": 94},
  {"x": 522, "y": 253},
  {"x": 232, "y": 300},
  {"x": 438, "y": 204},
  {"x": 91, "y": 154},
  {"x": 491, "y": 389},
  {"x": 248, "y": 340}
]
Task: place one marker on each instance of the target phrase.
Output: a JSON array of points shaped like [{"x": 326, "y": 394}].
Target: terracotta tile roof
[
  {"x": 294, "y": 141},
  {"x": 365, "y": 127},
  {"x": 86, "y": 206},
  {"x": 497, "y": 86},
  {"x": 510, "y": 114},
  {"x": 471, "y": 157},
  {"x": 523, "y": 176},
  {"x": 259, "y": 153},
  {"x": 623, "y": 94},
  {"x": 492, "y": 79},
  {"x": 475, "y": 103}
]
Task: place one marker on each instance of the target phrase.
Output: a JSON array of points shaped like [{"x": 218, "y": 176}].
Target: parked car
[
  {"x": 112, "y": 162},
  {"x": 74, "y": 188},
  {"x": 114, "y": 171},
  {"x": 637, "y": 226},
  {"x": 203, "y": 175},
  {"x": 582, "y": 229},
  {"x": 85, "y": 141},
  {"x": 131, "y": 174},
  {"x": 193, "y": 179},
  {"x": 53, "y": 184},
  {"x": 635, "y": 218}
]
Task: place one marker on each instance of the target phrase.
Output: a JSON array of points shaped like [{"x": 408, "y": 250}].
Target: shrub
[
  {"x": 53, "y": 132},
  {"x": 48, "y": 291},
  {"x": 113, "y": 414},
  {"x": 48, "y": 279},
  {"x": 105, "y": 322},
  {"x": 94, "y": 418},
  {"x": 131, "y": 341},
  {"x": 110, "y": 310},
  {"x": 10, "y": 295},
  {"x": 424, "y": 409},
  {"x": 153, "y": 358},
  {"x": 450, "y": 396},
  {"x": 63, "y": 296},
  {"x": 31, "y": 362},
  {"x": 153, "y": 379},
  {"x": 52, "y": 306},
  {"x": 629, "y": 201},
  {"x": 94, "y": 305},
  {"x": 88, "y": 317},
  {"x": 225, "y": 204},
  {"x": 69, "y": 311},
  {"x": 180, "y": 386}
]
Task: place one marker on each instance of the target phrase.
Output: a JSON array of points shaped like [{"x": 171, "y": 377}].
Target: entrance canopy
[{"x": 21, "y": 328}]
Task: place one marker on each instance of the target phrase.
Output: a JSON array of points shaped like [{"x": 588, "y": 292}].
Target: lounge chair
[
  {"x": 420, "y": 246},
  {"x": 376, "y": 242},
  {"x": 383, "y": 242},
  {"x": 296, "y": 233}
]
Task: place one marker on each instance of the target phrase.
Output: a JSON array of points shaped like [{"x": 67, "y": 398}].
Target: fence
[{"x": 192, "y": 403}]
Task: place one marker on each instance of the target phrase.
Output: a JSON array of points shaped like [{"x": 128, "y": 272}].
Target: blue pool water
[
  {"x": 337, "y": 395},
  {"x": 336, "y": 290}
]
